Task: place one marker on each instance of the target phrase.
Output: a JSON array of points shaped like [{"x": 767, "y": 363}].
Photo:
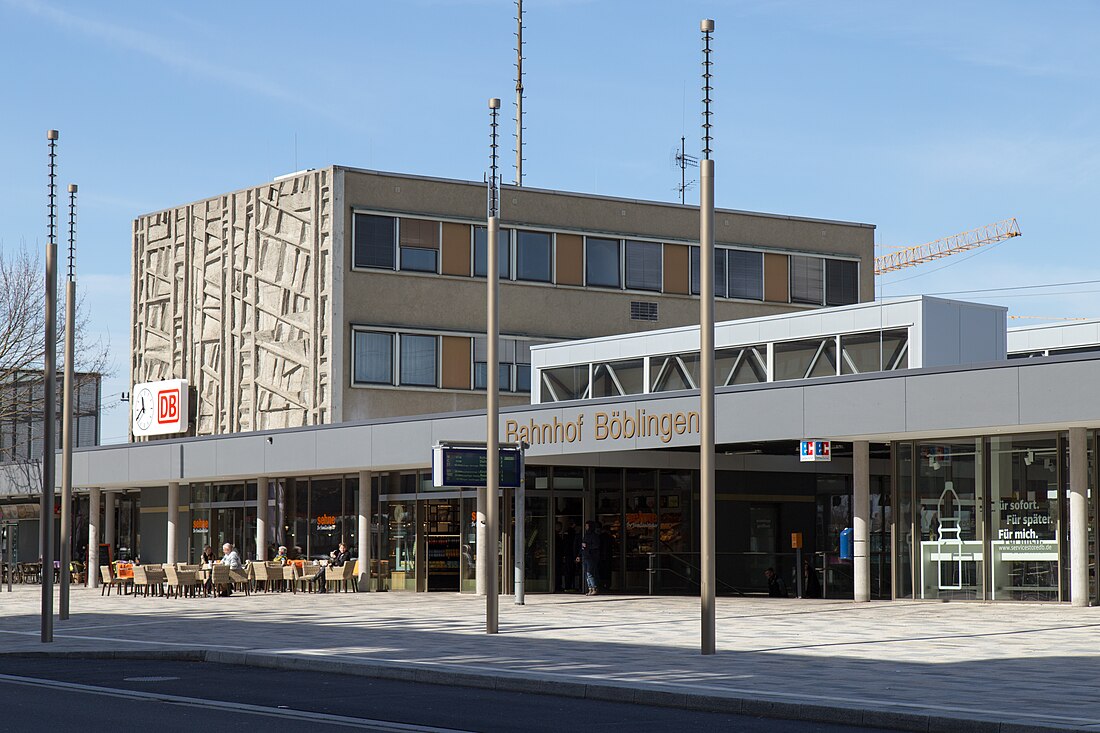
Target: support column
[
  {"x": 262, "y": 506},
  {"x": 109, "y": 525},
  {"x": 1078, "y": 518},
  {"x": 93, "y": 537},
  {"x": 173, "y": 520},
  {"x": 366, "y": 501},
  {"x": 481, "y": 569},
  {"x": 861, "y": 520}
]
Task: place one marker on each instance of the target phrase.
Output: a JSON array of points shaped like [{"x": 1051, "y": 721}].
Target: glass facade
[
  {"x": 825, "y": 356},
  {"x": 985, "y": 519}
]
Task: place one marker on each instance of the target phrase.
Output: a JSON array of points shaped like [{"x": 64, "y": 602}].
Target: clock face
[{"x": 143, "y": 407}]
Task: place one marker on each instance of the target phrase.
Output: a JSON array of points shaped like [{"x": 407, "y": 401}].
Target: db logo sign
[{"x": 168, "y": 406}]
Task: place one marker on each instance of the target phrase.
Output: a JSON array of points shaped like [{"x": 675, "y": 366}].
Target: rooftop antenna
[
  {"x": 683, "y": 161},
  {"x": 519, "y": 92}
]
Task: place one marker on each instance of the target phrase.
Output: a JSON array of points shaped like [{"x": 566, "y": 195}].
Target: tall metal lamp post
[
  {"x": 49, "y": 410},
  {"x": 67, "y": 418},
  {"x": 706, "y": 358},
  {"x": 492, "y": 392}
]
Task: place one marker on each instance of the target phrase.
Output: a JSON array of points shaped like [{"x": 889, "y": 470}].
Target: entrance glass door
[{"x": 443, "y": 543}]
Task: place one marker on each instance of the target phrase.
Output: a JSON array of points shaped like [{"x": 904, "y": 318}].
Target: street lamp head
[
  {"x": 494, "y": 103},
  {"x": 72, "y": 188},
  {"x": 51, "y": 134},
  {"x": 706, "y": 25}
]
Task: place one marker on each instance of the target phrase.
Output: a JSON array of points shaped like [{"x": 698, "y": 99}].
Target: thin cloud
[{"x": 164, "y": 51}]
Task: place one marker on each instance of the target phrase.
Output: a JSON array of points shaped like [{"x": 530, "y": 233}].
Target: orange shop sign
[
  {"x": 326, "y": 522},
  {"x": 200, "y": 525}
]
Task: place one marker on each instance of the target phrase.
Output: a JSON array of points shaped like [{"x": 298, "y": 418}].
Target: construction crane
[{"x": 921, "y": 253}]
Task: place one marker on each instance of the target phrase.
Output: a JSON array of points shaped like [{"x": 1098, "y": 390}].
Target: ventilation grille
[{"x": 641, "y": 310}]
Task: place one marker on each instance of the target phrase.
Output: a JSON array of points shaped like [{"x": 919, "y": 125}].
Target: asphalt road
[{"x": 71, "y": 694}]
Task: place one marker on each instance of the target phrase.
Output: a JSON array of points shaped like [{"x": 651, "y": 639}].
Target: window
[
  {"x": 504, "y": 252},
  {"x": 373, "y": 241},
  {"x": 418, "y": 360},
  {"x": 533, "y": 256},
  {"x": 805, "y": 359},
  {"x": 602, "y": 263},
  {"x": 419, "y": 241},
  {"x": 841, "y": 282},
  {"x": 618, "y": 378},
  {"x": 719, "y": 272},
  {"x": 523, "y": 377},
  {"x": 643, "y": 266},
  {"x": 504, "y": 376},
  {"x": 745, "y": 273},
  {"x": 807, "y": 280},
  {"x": 373, "y": 357}
]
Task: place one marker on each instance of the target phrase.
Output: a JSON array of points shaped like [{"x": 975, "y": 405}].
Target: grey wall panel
[
  {"x": 287, "y": 453},
  {"x": 1059, "y": 392},
  {"x": 107, "y": 467},
  {"x": 345, "y": 449},
  {"x": 461, "y": 428},
  {"x": 200, "y": 459},
  {"x": 241, "y": 456},
  {"x": 773, "y": 414},
  {"x": 960, "y": 400},
  {"x": 402, "y": 445},
  {"x": 153, "y": 463},
  {"x": 940, "y": 344},
  {"x": 854, "y": 408},
  {"x": 154, "y": 534}
]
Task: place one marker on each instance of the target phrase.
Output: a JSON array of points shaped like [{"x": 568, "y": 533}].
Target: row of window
[
  {"x": 416, "y": 360},
  {"x": 408, "y": 244},
  {"x": 825, "y": 356}
]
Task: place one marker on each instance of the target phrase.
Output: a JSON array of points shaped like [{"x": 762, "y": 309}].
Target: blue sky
[{"x": 925, "y": 119}]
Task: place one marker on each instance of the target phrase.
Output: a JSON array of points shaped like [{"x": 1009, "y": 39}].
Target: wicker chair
[
  {"x": 306, "y": 573},
  {"x": 154, "y": 574},
  {"x": 276, "y": 575},
  {"x": 141, "y": 581},
  {"x": 241, "y": 579},
  {"x": 108, "y": 580},
  {"x": 341, "y": 576},
  {"x": 219, "y": 578},
  {"x": 261, "y": 575}
]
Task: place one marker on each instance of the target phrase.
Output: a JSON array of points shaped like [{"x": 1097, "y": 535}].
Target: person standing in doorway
[
  {"x": 590, "y": 557},
  {"x": 567, "y": 558}
]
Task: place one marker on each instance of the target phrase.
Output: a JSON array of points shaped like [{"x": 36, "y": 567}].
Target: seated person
[
  {"x": 337, "y": 559},
  {"x": 232, "y": 560},
  {"x": 280, "y": 557}
]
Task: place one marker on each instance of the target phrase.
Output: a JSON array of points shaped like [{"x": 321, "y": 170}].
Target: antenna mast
[
  {"x": 683, "y": 160},
  {"x": 519, "y": 92}
]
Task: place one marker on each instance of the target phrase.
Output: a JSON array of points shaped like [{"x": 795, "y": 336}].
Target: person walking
[{"x": 590, "y": 557}]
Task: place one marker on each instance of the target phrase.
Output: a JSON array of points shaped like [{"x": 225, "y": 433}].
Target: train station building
[{"x": 327, "y": 326}]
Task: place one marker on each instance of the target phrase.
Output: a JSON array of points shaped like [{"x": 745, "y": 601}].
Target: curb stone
[{"x": 602, "y": 691}]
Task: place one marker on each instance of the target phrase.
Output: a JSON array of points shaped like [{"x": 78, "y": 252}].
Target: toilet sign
[{"x": 815, "y": 450}]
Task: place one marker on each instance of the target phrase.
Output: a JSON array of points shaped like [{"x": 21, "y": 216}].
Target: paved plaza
[{"x": 1010, "y": 664}]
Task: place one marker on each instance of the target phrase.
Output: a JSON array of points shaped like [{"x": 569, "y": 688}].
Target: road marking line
[{"x": 385, "y": 726}]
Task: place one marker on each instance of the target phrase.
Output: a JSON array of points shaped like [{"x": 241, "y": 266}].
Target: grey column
[
  {"x": 173, "y": 520},
  {"x": 109, "y": 535},
  {"x": 366, "y": 501},
  {"x": 1078, "y": 518},
  {"x": 861, "y": 520},
  {"x": 262, "y": 506},
  {"x": 93, "y": 537},
  {"x": 480, "y": 567}
]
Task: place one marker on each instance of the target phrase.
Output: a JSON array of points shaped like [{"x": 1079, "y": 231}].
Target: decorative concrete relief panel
[{"x": 234, "y": 294}]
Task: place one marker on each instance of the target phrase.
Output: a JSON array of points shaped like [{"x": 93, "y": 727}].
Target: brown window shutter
[
  {"x": 677, "y": 268},
  {"x": 456, "y": 362},
  {"x": 570, "y": 265},
  {"x": 777, "y": 278},
  {"x": 456, "y": 249},
  {"x": 420, "y": 233}
]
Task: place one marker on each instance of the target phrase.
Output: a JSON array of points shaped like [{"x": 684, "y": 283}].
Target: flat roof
[{"x": 542, "y": 191}]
